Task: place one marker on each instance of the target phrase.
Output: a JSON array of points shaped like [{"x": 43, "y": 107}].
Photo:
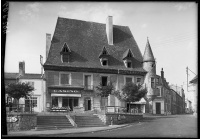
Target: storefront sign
[
  {"x": 64, "y": 91},
  {"x": 65, "y": 95}
]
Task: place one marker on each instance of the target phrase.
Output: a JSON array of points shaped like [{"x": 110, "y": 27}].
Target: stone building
[
  {"x": 180, "y": 99},
  {"x": 35, "y": 80},
  {"x": 84, "y": 54}
]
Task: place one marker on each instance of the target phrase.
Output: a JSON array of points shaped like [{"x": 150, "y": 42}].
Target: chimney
[
  {"x": 109, "y": 29},
  {"x": 162, "y": 74},
  {"x": 48, "y": 43},
  {"x": 22, "y": 68}
]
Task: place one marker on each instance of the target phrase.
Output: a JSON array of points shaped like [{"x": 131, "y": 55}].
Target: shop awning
[
  {"x": 65, "y": 95},
  {"x": 142, "y": 101}
]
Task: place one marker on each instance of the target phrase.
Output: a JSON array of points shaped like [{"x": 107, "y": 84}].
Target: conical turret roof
[{"x": 148, "y": 54}]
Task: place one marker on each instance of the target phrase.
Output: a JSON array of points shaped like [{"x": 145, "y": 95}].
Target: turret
[{"x": 150, "y": 66}]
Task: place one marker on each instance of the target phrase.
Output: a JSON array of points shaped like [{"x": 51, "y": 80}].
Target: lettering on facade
[{"x": 65, "y": 91}]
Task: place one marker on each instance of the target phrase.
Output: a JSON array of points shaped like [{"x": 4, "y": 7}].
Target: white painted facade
[{"x": 38, "y": 93}]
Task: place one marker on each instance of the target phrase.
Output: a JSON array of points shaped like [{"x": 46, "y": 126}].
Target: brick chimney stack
[
  {"x": 22, "y": 68},
  {"x": 109, "y": 29},
  {"x": 48, "y": 43},
  {"x": 162, "y": 74}
]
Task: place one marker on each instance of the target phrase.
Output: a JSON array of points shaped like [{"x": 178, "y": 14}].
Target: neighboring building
[
  {"x": 162, "y": 100},
  {"x": 35, "y": 80},
  {"x": 173, "y": 102},
  {"x": 84, "y": 54},
  {"x": 180, "y": 98},
  {"x": 194, "y": 82},
  {"x": 188, "y": 106}
]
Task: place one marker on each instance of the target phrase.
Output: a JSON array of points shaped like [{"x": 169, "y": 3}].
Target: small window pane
[{"x": 129, "y": 64}]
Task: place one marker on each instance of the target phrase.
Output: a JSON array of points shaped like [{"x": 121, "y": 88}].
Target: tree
[
  {"x": 19, "y": 90},
  {"x": 104, "y": 91},
  {"x": 131, "y": 92}
]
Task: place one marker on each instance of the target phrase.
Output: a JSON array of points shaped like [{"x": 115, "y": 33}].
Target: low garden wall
[
  {"x": 122, "y": 118},
  {"x": 17, "y": 122}
]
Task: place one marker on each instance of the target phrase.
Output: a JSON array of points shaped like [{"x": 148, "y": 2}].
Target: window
[
  {"x": 31, "y": 100},
  {"x": 88, "y": 82},
  {"x": 64, "y": 78},
  {"x": 104, "y": 80},
  {"x": 138, "y": 80},
  {"x": 104, "y": 62},
  {"x": 158, "y": 91},
  {"x": 157, "y": 81},
  {"x": 128, "y": 79},
  {"x": 152, "y": 83},
  {"x": 54, "y": 101},
  {"x": 129, "y": 64}
]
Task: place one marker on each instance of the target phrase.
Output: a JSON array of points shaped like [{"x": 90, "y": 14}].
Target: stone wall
[
  {"x": 122, "y": 118},
  {"x": 24, "y": 122}
]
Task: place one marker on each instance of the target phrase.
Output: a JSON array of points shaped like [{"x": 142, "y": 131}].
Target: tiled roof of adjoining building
[
  {"x": 86, "y": 41},
  {"x": 10, "y": 75},
  {"x": 26, "y": 76}
]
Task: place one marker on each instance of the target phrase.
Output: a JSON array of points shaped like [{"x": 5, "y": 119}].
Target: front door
[
  {"x": 158, "y": 110},
  {"x": 87, "y": 104}
]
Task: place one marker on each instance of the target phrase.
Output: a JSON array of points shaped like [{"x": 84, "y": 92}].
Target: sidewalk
[{"x": 63, "y": 131}]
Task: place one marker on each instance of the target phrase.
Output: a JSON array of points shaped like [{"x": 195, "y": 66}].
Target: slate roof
[
  {"x": 148, "y": 54},
  {"x": 26, "y": 76},
  {"x": 86, "y": 41}
]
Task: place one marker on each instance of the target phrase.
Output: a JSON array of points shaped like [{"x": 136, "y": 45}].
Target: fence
[
  {"x": 116, "y": 109},
  {"x": 20, "y": 108}
]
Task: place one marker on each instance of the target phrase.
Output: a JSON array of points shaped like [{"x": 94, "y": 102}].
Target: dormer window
[
  {"x": 65, "y": 53},
  {"x": 104, "y": 61},
  {"x": 104, "y": 55},
  {"x": 127, "y": 58},
  {"x": 129, "y": 64}
]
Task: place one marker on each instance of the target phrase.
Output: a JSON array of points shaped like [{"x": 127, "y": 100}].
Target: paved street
[{"x": 160, "y": 126}]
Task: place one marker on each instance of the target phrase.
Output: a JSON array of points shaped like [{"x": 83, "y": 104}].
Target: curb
[{"x": 36, "y": 135}]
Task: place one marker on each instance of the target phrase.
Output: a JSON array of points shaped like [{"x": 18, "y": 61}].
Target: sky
[{"x": 170, "y": 26}]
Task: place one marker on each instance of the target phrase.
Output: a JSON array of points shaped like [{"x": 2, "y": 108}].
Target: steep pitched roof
[
  {"x": 148, "y": 54},
  {"x": 86, "y": 41}
]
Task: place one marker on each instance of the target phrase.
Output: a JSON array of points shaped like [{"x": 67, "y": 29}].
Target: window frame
[
  {"x": 140, "y": 80},
  {"x": 159, "y": 92},
  {"x": 153, "y": 82},
  {"x": 128, "y": 77},
  {"x": 108, "y": 77},
  {"x": 60, "y": 78},
  {"x": 84, "y": 74}
]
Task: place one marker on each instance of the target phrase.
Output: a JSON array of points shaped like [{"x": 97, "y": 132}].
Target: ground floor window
[
  {"x": 69, "y": 102},
  {"x": 31, "y": 101},
  {"x": 55, "y": 101}
]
